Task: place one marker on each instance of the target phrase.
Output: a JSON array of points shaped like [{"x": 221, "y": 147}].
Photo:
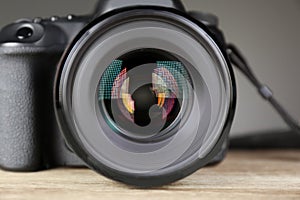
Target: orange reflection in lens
[{"x": 161, "y": 99}]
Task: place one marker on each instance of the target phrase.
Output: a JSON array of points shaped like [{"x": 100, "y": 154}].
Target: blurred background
[{"x": 266, "y": 31}]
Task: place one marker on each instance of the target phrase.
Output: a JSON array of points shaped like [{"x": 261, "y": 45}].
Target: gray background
[{"x": 267, "y": 31}]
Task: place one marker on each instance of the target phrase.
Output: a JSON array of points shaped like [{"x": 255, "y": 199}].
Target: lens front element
[{"x": 142, "y": 93}]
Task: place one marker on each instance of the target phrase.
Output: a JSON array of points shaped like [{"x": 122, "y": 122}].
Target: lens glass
[{"x": 143, "y": 92}]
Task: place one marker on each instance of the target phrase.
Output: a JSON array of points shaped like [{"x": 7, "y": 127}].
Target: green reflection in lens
[{"x": 108, "y": 78}]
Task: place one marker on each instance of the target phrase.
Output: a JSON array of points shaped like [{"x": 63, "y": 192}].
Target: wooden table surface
[{"x": 243, "y": 175}]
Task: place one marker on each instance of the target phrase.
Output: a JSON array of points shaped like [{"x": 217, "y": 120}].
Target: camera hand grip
[{"x": 19, "y": 138}]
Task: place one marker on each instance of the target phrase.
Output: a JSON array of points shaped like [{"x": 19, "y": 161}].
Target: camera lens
[
  {"x": 145, "y": 97},
  {"x": 142, "y": 92}
]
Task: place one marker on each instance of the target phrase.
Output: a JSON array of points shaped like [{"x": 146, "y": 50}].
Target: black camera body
[
  {"x": 31, "y": 60},
  {"x": 31, "y": 139}
]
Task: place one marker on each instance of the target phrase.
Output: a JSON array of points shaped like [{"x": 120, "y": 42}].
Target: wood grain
[{"x": 243, "y": 175}]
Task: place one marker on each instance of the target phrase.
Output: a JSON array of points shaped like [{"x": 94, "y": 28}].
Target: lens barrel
[{"x": 145, "y": 95}]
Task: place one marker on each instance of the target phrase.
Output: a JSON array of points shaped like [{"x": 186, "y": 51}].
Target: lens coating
[{"x": 142, "y": 92}]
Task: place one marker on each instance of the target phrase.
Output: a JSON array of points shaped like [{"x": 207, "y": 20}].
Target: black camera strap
[{"x": 240, "y": 62}]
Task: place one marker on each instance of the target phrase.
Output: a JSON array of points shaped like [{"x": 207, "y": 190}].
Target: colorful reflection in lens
[{"x": 168, "y": 78}]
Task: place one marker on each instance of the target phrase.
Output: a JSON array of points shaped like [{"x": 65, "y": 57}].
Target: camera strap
[{"x": 237, "y": 59}]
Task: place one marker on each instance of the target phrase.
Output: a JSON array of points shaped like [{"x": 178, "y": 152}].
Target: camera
[{"x": 139, "y": 91}]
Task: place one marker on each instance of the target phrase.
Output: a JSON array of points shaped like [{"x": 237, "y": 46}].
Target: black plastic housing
[
  {"x": 30, "y": 138},
  {"x": 25, "y": 90}
]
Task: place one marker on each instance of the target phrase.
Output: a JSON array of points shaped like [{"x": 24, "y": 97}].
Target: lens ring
[
  {"x": 205, "y": 112},
  {"x": 73, "y": 133}
]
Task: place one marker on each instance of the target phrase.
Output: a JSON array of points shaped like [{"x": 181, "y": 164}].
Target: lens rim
[{"x": 62, "y": 103}]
